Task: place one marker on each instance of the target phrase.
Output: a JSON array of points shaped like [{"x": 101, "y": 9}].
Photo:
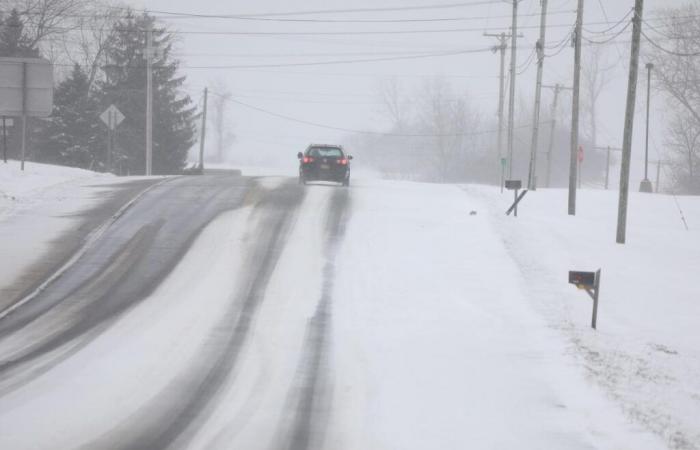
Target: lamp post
[{"x": 645, "y": 185}]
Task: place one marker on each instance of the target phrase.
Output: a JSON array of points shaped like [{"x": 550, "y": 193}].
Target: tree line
[{"x": 98, "y": 55}]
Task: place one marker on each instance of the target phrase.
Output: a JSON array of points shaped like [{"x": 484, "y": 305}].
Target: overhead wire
[
  {"x": 670, "y": 52},
  {"x": 352, "y": 130}
]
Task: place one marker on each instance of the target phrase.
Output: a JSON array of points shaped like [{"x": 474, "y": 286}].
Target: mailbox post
[
  {"x": 590, "y": 282},
  {"x": 515, "y": 186}
]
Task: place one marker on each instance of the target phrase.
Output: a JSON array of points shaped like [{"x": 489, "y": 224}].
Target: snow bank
[
  {"x": 18, "y": 185},
  {"x": 646, "y": 352},
  {"x": 37, "y": 206}
]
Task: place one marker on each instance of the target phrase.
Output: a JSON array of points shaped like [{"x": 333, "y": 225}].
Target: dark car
[{"x": 324, "y": 163}]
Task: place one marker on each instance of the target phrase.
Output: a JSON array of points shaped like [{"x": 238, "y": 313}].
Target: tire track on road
[
  {"x": 175, "y": 213},
  {"x": 176, "y": 412},
  {"x": 311, "y": 401}
]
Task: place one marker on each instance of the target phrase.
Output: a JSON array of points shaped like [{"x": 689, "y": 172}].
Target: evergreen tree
[
  {"x": 13, "y": 40},
  {"x": 125, "y": 86},
  {"x": 73, "y": 135}
]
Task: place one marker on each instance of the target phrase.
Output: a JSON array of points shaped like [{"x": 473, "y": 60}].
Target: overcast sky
[{"x": 345, "y": 95}]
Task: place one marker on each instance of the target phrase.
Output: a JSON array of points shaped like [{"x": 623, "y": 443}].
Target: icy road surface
[{"x": 222, "y": 312}]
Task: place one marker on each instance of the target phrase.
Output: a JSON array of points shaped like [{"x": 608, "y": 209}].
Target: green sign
[{"x": 504, "y": 162}]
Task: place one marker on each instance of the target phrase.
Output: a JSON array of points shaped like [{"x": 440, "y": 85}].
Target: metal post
[
  {"x": 596, "y": 293},
  {"x": 646, "y": 186},
  {"x": 573, "y": 159},
  {"x": 511, "y": 100},
  {"x": 629, "y": 123},
  {"x": 204, "y": 132},
  {"x": 515, "y": 202},
  {"x": 658, "y": 175},
  {"x": 532, "y": 173},
  {"x": 149, "y": 102}
]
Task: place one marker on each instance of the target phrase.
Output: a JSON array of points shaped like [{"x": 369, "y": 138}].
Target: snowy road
[{"x": 225, "y": 312}]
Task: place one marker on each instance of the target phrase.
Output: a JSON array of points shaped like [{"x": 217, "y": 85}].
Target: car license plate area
[{"x": 325, "y": 166}]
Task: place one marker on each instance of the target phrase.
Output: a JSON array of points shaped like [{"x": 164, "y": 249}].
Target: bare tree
[
  {"x": 596, "y": 75},
  {"x": 683, "y": 140},
  {"x": 676, "y": 69},
  {"x": 395, "y": 103},
  {"x": 448, "y": 119},
  {"x": 45, "y": 19},
  {"x": 87, "y": 44}
]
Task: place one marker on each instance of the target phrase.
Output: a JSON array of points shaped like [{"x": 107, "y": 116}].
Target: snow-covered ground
[
  {"x": 37, "y": 206},
  {"x": 448, "y": 329},
  {"x": 646, "y": 352}
]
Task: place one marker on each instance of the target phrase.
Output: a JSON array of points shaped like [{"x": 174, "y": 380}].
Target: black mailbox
[
  {"x": 514, "y": 184},
  {"x": 582, "y": 279}
]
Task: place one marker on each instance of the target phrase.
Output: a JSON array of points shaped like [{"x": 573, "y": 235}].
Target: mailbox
[
  {"x": 582, "y": 279},
  {"x": 513, "y": 185}
]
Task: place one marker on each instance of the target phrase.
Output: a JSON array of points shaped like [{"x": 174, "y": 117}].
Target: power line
[
  {"x": 607, "y": 30},
  {"x": 670, "y": 52},
  {"x": 612, "y": 38},
  {"x": 351, "y": 130},
  {"x": 322, "y": 11},
  {"x": 299, "y": 64}
]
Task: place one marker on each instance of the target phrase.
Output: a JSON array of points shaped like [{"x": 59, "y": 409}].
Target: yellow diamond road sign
[{"x": 112, "y": 117}]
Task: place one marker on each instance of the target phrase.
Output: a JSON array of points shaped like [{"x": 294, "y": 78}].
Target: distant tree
[
  {"x": 14, "y": 40},
  {"x": 676, "y": 69},
  {"x": 596, "y": 75},
  {"x": 125, "y": 86},
  {"x": 72, "y": 135}
]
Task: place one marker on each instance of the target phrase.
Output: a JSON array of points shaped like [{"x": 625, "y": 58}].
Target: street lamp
[{"x": 645, "y": 185}]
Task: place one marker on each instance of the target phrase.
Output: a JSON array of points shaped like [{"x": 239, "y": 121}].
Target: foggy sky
[{"x": 345, "y": 95}]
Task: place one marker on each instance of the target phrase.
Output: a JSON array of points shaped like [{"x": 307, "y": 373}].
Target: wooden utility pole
[
  {"x": 539, "y": 47},
  {"x": 573, "y": 157},
  {"x": 204, "y": 132},
  {"x": 501, "y": 48},
  {"x": 629, "y": 123},
  {"x": 149, "y": 102},
  {"x": 24, "y": 114},
  {"x": 511, "y": 98},
  {"x": 557, "y": 89}
]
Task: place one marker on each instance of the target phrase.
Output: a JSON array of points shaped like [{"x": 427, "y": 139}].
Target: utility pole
[
  {"x": 511, "y": 100},
  {"x": 629, "y": 123},
  {"x": 149, "y": 101},
  {"x": 658, "y": 175},
  {"x": 4, "y": 139},
  {"x": 501, "y": 48},
  {"x": 557, "y": 88},
  {"x": 204, "y": 132},
  {"x": 539, "y": 47},
  {"x": 573, "y": 157},
  {"x": 645, "y": 186}
]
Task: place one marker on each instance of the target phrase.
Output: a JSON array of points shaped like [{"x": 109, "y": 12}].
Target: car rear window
[{"x": 326, "y": 152}]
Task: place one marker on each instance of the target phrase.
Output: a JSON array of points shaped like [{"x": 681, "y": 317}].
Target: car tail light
[
  {"x": 343, "y": 162},
  {"x": 308, "y": 159}
]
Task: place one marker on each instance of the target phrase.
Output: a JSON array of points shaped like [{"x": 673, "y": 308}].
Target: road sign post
[
  {"x": 26, "y": 90},
  {"x": 590, "y": 282},
  {"x": 111, "y": 117}
]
